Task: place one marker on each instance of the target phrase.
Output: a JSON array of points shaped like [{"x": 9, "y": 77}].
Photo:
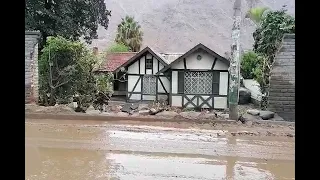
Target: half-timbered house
[
  {"x": 198, "y": 78},
  {"x": 143, "y": 81}
]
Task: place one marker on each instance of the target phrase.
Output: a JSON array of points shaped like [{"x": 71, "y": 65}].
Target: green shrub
[{"x": 249, "y": 62}]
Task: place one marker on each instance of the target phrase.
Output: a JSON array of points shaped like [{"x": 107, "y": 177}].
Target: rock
[
  {"x": 190, "y": 114},
  {"x": 144, "y": 112},
  {"x": 134, "y": 106},
  {"x": 276, "y": 118},
  {"x": 143, "y": 106},
  {"x": 208, "y": 116},
  {"x": 169, "y": 114},
  {"x": 244, "y": 95},
  {"x": 249, "y": 117},
  {"x": 153, "y": 111},
  {"x": 126, "y": 108},
  {"x": 265, "y": 115},
  {"x": 116, "y": 108},
  {"x": 254, "y": 112},
  {"x": 223, "y": 116}
]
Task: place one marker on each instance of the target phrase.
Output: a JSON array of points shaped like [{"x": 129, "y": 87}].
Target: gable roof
[
  {"x": 199, "y": 46},
  {"x": 114, "y": 61},
  {"x": 139, "y": 54}
]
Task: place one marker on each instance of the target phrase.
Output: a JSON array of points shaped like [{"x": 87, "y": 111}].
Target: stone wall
[
  {"x": 282, "y": 84},
  {"x": 31, "y": 66}
]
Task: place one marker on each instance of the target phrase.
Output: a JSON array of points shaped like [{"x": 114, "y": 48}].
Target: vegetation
[
  {"x": 257, "y": 14},
  {"x": 69, "y": 19},
  {"x": 249, "y": 63},
  {"x": 129, "y": 33},
  {"x": 118, "y": 47},
  {"x": 65, "y": 72},
  {"x": 267, "y": 40}
]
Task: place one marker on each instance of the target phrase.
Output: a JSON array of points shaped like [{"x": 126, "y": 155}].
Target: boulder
[
  {"x": 126, "y": 108},
  {"x": 265, "y": 115},
  {"x": 143, "y": 106},
  {"x": 190, "y": 114},
  {"x": 253, "y": 112},
  {"x": 144, "y": 112},
  {"x": 134, "y": 106},
  {"x": 208, "y": 116},
  {"x": 244, "y": 95},
  {"x": 248, "y": 117},
  {"x": 168, "y": 114}
]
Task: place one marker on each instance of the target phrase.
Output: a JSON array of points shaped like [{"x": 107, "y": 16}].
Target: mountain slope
[{"x": 178, "y": 25}]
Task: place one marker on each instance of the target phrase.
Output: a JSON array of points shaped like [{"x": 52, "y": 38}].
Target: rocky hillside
[{"x": 178, "y": 25}]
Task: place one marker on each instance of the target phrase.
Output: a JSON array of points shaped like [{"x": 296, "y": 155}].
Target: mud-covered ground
[{"x": 71, "y": 149}]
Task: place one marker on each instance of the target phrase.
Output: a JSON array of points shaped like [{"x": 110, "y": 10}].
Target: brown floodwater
[{"x": 87, "y": 150}]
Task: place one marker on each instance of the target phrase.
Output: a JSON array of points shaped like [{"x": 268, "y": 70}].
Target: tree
[
  {"x": 249, "y": 63},
  {"x": 129, "y": 33},
  {"x": 65, "y": 70},
  {"x": 257, "y": 14},
  {"x": 69, "y": 19},
  {"x": 118, "y": 47}
]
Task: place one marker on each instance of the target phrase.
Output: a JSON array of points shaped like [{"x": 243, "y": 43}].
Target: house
[
  {"x": 196, "y": 79},
  {"x": 111, "y": 63}
]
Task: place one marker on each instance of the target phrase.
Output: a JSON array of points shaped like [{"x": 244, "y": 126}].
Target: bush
[
  {"x": 249, "y": 62},
  {"x": 65, "y": 72}
]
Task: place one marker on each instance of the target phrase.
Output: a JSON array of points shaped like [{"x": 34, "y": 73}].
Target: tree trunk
[
  {"x": 52, "y": 91},
  {"x": 234, "y": 70}
]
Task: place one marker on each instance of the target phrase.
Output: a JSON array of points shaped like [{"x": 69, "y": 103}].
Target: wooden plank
[{"x": 180, "y": 82}]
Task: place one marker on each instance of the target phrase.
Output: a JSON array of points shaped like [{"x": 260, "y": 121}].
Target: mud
[{"x": 58, "y": 149}]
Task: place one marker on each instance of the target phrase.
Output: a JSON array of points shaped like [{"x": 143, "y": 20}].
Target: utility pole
[{"x": 234, "y": 69}]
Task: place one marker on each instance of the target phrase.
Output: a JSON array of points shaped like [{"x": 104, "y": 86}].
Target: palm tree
[
  {"x": 257, "y": 14},
  {"x": 129, "y": 33}
]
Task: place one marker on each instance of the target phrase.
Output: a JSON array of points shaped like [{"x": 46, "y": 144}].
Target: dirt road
[{"x": 81, "y": 150}]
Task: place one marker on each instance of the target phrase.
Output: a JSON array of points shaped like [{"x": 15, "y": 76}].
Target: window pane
[
  {"x": 198, "y": 83},
  {"x": 149, "y": 85}
]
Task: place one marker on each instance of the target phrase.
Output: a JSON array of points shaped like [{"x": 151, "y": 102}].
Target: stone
[
  {"x": 143, "y": 106},
  {"x": 223, "y": 116},
  {"x": 190, "y": 114},
  {"x": 144, "y": 112},
  {"x": 276, "y": 118},
  {"x": 249, "y": 117},
  {"x": 244, "y": 95},
  {"x": 265, "y": 115},
  {"x": 153, "y": 111},
  {"x": 253, "y": 112},
  {"x": 126, "y": 108},
  {"x": 208, "y": 116},
  {"x": 116, "y": 108},
  {"x": 134, "y": 106},
  {"x": 168, "y": 114}
]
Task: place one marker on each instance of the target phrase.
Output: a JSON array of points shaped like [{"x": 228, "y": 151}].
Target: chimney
[{"x": 95, "y": 51}]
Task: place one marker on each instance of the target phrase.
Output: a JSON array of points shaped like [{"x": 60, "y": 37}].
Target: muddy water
[{"x": 64, "y": 150}]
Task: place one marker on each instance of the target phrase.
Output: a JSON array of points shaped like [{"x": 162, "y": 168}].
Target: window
[
  {"x": 149, "y": 85},
  {"x": 198, "y": 82},
  {"x": 149, "y": 64}
]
